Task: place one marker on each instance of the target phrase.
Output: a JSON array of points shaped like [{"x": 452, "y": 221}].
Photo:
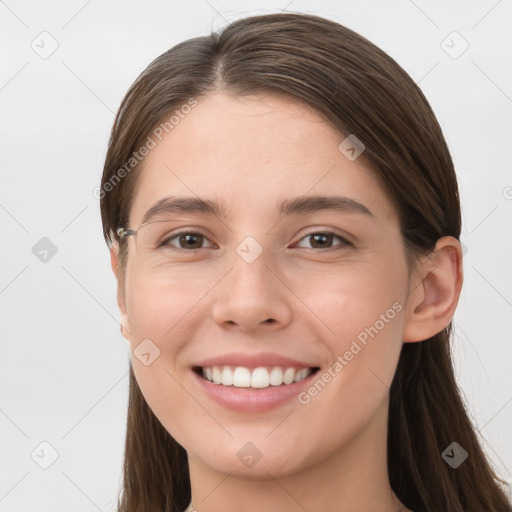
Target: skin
[{"x": 252, "y": 153}]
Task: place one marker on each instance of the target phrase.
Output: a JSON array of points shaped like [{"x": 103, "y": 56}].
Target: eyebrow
[
  {"x": 310, "y": 204},
  {"x": 297, "y": 206},
  {"x": 177, "y": 205}
]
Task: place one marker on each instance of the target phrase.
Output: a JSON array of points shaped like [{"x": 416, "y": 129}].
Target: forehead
[{"x": 250, "y": 153}]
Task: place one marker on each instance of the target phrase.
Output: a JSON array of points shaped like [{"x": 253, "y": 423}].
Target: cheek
[
  {"x": 158, "y": 306},
  {"x": 162, "y": 314},
  {"x": 360, "y": 314},
  {"x": 349, "y": 301}
]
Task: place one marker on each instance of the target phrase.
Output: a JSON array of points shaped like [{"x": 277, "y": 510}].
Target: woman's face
[{"x": 264, "y": 285}]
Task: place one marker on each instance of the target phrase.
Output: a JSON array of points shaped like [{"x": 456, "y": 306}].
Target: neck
[{"x": 352, "y": 478}]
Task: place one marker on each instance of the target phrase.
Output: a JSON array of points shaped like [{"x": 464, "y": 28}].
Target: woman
[{"x": 284, "y": 223}]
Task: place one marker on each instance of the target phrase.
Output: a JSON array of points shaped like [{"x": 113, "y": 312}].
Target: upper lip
[{"x": 254, "y": 360}]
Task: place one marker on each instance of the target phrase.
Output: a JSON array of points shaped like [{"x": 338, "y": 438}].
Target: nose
[{"x": 252, "y": 296}]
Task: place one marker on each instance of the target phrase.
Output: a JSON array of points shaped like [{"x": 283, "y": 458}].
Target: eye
[
  {"x": 187, "y": 240},
  {"x": 324, "y": 240},
  {"x": 190, "y": 241}
]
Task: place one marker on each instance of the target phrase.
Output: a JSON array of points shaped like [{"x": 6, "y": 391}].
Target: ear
[
  {"x": 121, "y": 299},
  {"x": 435, "y": 290}
]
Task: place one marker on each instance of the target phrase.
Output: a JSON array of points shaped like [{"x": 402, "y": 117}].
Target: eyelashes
[
  {"x": 330, "y": 235},
  {"x": 199, "y": 238}
]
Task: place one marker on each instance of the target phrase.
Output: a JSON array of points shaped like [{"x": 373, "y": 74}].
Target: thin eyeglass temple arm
[{"x": 123, "y": 233}]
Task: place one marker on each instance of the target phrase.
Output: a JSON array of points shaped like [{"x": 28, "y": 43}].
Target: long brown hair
[{"x": 363, "y": 91}]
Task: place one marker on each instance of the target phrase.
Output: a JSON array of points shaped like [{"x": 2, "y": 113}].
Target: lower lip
[{"x": 251, "y": 399}]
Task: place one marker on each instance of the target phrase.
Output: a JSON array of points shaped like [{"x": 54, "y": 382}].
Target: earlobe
[
  {"x": 114, "y": 258},
  {"x": 121, "y": 300},
  {"x": 124, "y": 326},
  {"x": 432, "y": 301}
]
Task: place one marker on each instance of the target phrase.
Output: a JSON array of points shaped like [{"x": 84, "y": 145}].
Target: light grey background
[{"x": 63, "y": 362}]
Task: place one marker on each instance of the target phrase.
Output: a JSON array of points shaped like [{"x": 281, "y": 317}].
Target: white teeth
[
  {"x": 241, "y": 377},
  {"x": 288, "y": 376},
  {"x": 301, "y": 374},
  {"x": 227, "y": 376},
  {"x": 261, "y": 377},
  {"x": 216, "y": 375},
  {"x": 276, "y": 377}
]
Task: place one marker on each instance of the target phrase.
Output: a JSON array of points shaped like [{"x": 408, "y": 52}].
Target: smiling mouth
[{"x": 257, "y": 378}]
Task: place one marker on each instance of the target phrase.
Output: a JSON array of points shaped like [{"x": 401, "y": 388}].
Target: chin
[{"x": 259, "y": 459}]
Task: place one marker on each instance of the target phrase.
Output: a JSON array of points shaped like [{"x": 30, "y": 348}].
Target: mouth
[{"x": 256, "y": 378}]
